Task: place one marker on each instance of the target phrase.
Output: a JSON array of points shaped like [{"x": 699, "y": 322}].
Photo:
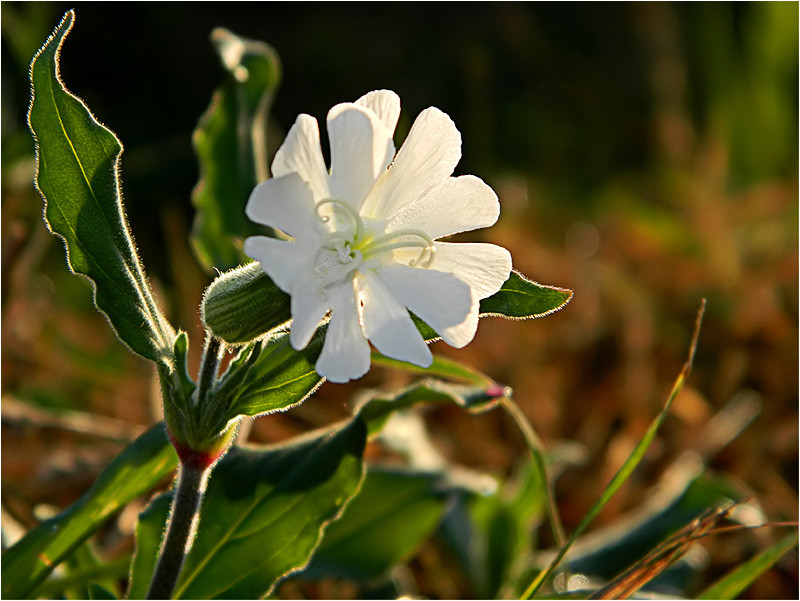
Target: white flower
[{"x": 364, "y": 235}]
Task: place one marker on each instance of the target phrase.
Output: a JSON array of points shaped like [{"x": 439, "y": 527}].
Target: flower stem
[
  {"x": 535, "y": 448},
  {"x": 181, "y": 527}
]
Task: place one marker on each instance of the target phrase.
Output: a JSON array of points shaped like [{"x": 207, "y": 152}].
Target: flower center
[{"x": 348, "y": 244}]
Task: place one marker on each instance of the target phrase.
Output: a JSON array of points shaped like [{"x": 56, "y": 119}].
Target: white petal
[
  {"x": 309, "y": 306},
  {"x": 440, "y": 299},
  {"x": 429, "y": 155},
  {"x": 284, "y": 202},
  {"x": 458, "y": 204},
  {"x": 280, "y": 259},
  {"x": 345, "y": 352},
  {"x": 361, "y": 148},
  {"x": 388, "y": 325},
  {"x": 484, "y": 267},
  {"x": 301, "y": 153},
  {"x": 385, "y": 104}
]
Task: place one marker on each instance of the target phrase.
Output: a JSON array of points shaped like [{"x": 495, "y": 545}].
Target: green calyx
[
  {"x": 198, "y": 421},
  {"x": 244, "y": 304}
]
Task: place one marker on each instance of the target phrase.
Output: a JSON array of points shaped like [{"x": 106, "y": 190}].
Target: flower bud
[{"x": 243, "y": 304}]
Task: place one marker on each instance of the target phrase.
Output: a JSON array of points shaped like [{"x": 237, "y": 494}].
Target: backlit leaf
[
  {"x": 134, "y": 472},
  {"x": 78, "y": 161}
]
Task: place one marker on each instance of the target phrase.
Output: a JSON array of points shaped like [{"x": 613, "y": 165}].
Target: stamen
[
  {"x": 343, "y": 208},
  {"x": 400, "y": 239}
]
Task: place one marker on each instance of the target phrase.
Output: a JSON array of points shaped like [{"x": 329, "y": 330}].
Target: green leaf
[
  {"x": 732, "y": 584},
  {"x": 149, "y": 536},
  {"x": 442, "y": 367},
  {"x": 520, "y": 298},
  {"x": 628, "y": 540},
  {"x": 134, "y": 471},
  {"x": 79, "y": 571},
  {"x": 97, "y": 591},
  {"x": 78, "y": 161},
  {"x": 274, "y": 377},
  {"x": 262, "y": 516},
  {"x": 502, "y": 542},
  {"x": 230, "y": 143},
  {"x": 378, "y": 409},
  {"x": 384, "y": 524}
]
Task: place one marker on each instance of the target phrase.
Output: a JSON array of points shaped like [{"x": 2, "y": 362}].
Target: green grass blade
[
  {"x": 539, "y": 463},
  {"x": 627, "y": 468},
  {"x": 736, "y": 581}
]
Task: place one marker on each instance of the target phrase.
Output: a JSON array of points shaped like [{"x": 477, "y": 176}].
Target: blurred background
[{"x": 645, "y": 156}]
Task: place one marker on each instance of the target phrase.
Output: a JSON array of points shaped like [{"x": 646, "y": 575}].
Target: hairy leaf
[
  {"x": 78, "y": 161},
  {"x": 262, "y": 518},
  {"x": 274, "y": 377},
  {"x": 520, "y": 298}
]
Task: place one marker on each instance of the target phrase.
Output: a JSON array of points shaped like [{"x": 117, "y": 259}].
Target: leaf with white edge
[
  {"x": 134, "y": 472},
  {"x": 78, "y": 161},
  {"x": 230, "y": 143},
  {"x": 263, "y": 515},
  {"x": 149, "y": 535},
  {"x": 273, "y": 377},
  {"x": 521, "y": 298}
]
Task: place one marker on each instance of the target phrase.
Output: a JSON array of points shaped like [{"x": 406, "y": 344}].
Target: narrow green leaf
[
  {"x": 83, "y": 567},
  {"x": 377, "y": 410},
  {"x": 134, "y": 471},
  {"x": 149, "y": 535},
  {"x": 77, "y": 176},
  {"x": 610, "y": 490},
  {"x": 627, "y": 541},
  {"x": 230, "y": 143},
  {"x": 627, "y": 467},
  {"x": 736, "y": 581},
  {"x": 521, "y": 298},
  {"x": 262, "y": 517},
  {"x": 384, "y": 524},
  {"x": 442, "y": 367}
]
